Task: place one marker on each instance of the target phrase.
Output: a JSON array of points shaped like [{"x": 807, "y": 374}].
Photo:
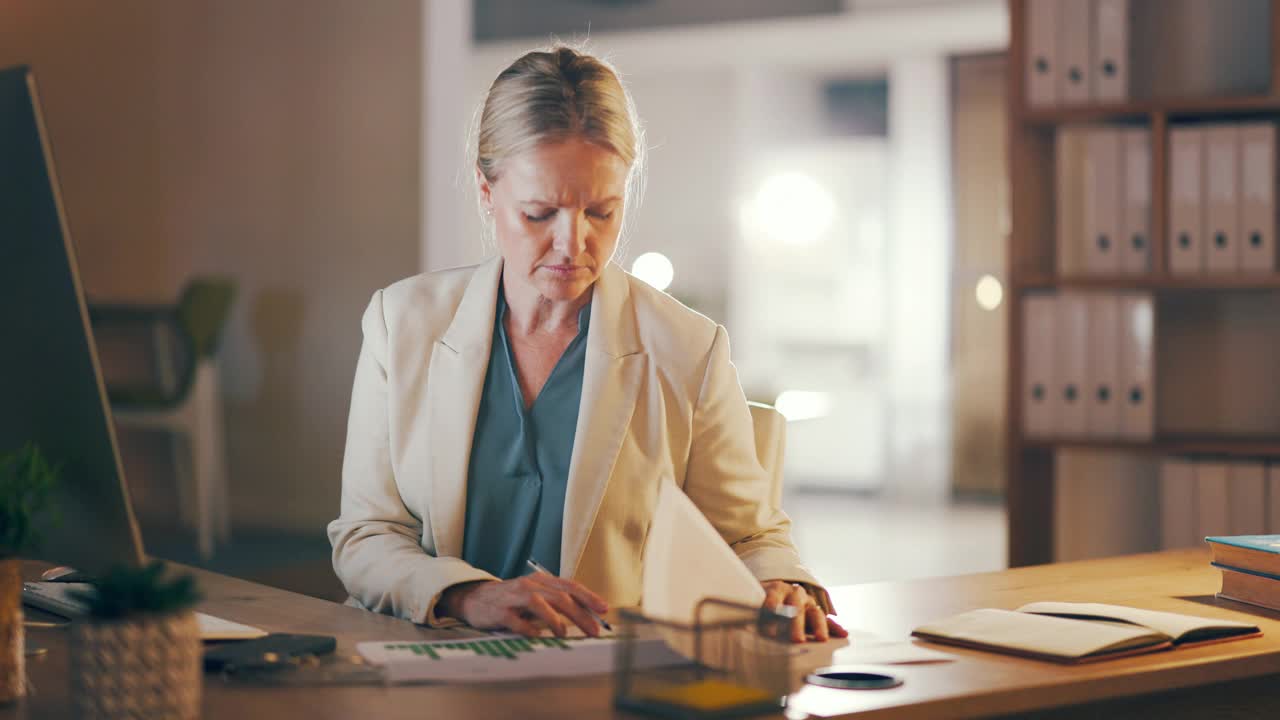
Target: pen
[{"x": 539, "y": 569}]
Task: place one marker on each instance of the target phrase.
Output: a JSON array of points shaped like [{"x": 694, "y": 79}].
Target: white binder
[
  {"x": 1135, "y": 218},
  {"x": 1039, "y": 401},
  {"x": 1257, "y": 197},
  {"x": 1186, "y": 219},
  {"x": 1137, "y": 372},
  {"x": 1222, "y": 208},
  {"x": 1110, "y": 50},
  {"x": 1041, "y": 53},
  {"x": 1273, "y": 499},
  {"x": 1213, "y": 509},
  {"x": 1178, "y": 504},
  {"x": 1247, "y": 495},
  {"x": 1072, "y": 367},
  {"x": 1103, "y": 396},
  {"x": 1075, "y": 28},
  {"x": 1102, "y": 167}
]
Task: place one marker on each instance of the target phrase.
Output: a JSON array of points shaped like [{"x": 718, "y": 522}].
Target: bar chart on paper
[{"x": 504, "y": 657}]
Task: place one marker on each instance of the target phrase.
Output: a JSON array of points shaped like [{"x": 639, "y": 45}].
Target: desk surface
[{"x": 978, "y": 684}]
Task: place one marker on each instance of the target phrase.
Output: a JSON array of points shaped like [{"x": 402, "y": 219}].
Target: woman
[{"x": 527, "y": 407}]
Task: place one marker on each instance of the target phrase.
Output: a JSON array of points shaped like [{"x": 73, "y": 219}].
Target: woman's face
[{"x": 557, "y": 211}]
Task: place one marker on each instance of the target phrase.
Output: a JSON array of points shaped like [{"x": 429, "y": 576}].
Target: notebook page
[{"x": 1174, "y": 625}]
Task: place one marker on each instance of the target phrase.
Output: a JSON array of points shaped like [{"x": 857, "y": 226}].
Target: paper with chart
[
  {"x": 505, "y": 657},
  {"x": 686, "y": 560}
]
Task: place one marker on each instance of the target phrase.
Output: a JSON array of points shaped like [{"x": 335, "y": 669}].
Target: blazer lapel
[
  {"x": 455, "y": 380},
  {"x": 611, "y": 376}
]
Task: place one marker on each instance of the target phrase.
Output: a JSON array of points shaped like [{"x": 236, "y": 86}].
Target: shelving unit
[{"x": 1032, "y": 251}]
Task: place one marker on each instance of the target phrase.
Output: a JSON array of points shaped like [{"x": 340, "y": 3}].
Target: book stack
[{"x": 1250, "y": 566}]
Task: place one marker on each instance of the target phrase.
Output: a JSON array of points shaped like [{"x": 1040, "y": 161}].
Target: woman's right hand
[{"x": 525, "y": 604}]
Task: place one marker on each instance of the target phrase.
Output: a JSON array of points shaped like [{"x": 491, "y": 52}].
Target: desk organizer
[{"x": 739, "y": 662}]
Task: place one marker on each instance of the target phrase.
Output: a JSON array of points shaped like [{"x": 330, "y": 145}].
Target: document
[
  {"x": 505, "y": 658},
  {"x": 686, "y": 560}
]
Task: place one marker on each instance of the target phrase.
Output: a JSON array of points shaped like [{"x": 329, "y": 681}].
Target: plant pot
[
  {"x": 13, "y": 676},
  {"x": 147, "y": 666}
]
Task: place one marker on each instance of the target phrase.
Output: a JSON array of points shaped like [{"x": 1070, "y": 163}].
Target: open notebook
[{"x": 1080, "y": 632}]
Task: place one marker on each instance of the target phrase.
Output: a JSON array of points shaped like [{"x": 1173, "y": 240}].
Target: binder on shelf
[
  {"x": 1103, "y": 406},
  {"x": 1247, "y": 494},
  {"x": 1257, "y": 196},
  {"x": 1135, "y": 218},
  {"x": 1075, "y": 58},
  {"x": 1111, "y": 50},
  {"x": 1273, "y": 499},
  {"x": 1042, "y": 61},
  {"x": 1072, "y": 366},
  {"x": 1222, "y": 209},
  {"x": 1070, "y": 150},
  {"x": 1213, "y": 513},
  {"x": 1186, "y": 217},
  {"x": 1039, "y": 401},
  {"x": 1137, "y": 372},
  {"x": 1178, "y": 523},
  {"x": 1102, "y": 166}
]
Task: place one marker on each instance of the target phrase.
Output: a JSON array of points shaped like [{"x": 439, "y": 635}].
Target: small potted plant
[
  {"x": 26, "y": 489},
  {"x": 138, "y": 653}
]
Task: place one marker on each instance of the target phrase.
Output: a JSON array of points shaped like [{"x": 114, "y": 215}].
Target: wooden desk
[{"x": 1189, "y": 683}]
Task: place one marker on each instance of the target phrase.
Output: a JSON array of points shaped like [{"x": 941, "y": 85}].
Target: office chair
[{"x": 182, "y": 396}]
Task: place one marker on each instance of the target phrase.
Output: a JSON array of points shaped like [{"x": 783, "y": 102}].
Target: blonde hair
[{"x": 557, "y": 94}]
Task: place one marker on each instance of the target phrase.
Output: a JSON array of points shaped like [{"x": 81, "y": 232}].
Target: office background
[{"x": 828, "y": 178}]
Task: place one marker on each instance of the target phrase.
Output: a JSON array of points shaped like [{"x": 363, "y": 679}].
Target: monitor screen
[{"x": 51, "y": 390}]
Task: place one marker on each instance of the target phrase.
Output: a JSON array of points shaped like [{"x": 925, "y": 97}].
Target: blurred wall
[{"x": 276, "y": 141}]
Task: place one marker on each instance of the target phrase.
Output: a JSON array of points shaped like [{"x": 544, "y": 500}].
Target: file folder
[
  {"x": 1178, "y": 504},
  {"x": 1111, "y": 50},
  {"x": 1186, "y": 219},
  {"x": 1070, "y": 150},
  {"x": 1137, "y": 373},
  {"x": 1072, "y": 363},
  {"x": 1247, "y": 495},
  {"x": 1104, "y": 365},
  {"x": 1213, "y": 513},
  {"x": 1039, "y": 337},
  {"x": 1075, "y": 30},
  {"x": 1102, "y": 202},
  {"x": 1042, "y": 61},
  {"x": 1135, "y": 219},
  {"x": 1222, "y": 210},
  {"x": 1257, "y": 197}
]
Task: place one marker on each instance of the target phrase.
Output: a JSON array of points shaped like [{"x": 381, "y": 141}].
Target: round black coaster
[{"x": 852, "y": 678}]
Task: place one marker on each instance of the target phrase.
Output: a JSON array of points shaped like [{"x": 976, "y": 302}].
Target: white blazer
[{"x": 659, "y": 398}]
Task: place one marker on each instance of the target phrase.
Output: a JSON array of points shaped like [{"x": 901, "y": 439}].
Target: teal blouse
[{"x": 519, "y": 465}]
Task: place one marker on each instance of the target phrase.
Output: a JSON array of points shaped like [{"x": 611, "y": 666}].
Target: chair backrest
[
  {"x": 771, "y": 443},
  {"x": 203, "y": 311}
]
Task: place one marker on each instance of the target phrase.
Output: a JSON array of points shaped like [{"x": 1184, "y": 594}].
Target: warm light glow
[
  {"x": 803, "y": 404},
  {"x": 990, "y": 292},
  {"x": 655, "y": 269},
  {"x": 791, "y": 208}
]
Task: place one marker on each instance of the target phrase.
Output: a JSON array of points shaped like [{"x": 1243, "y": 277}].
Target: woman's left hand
[{"x": 810, "y": 619}]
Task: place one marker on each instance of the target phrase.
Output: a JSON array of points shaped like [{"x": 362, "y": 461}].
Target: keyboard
[{"x": 55, "y": 597}]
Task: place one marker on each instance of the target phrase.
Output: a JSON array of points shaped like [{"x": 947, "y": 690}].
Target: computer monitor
[{"x": 51, "y": 389}]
